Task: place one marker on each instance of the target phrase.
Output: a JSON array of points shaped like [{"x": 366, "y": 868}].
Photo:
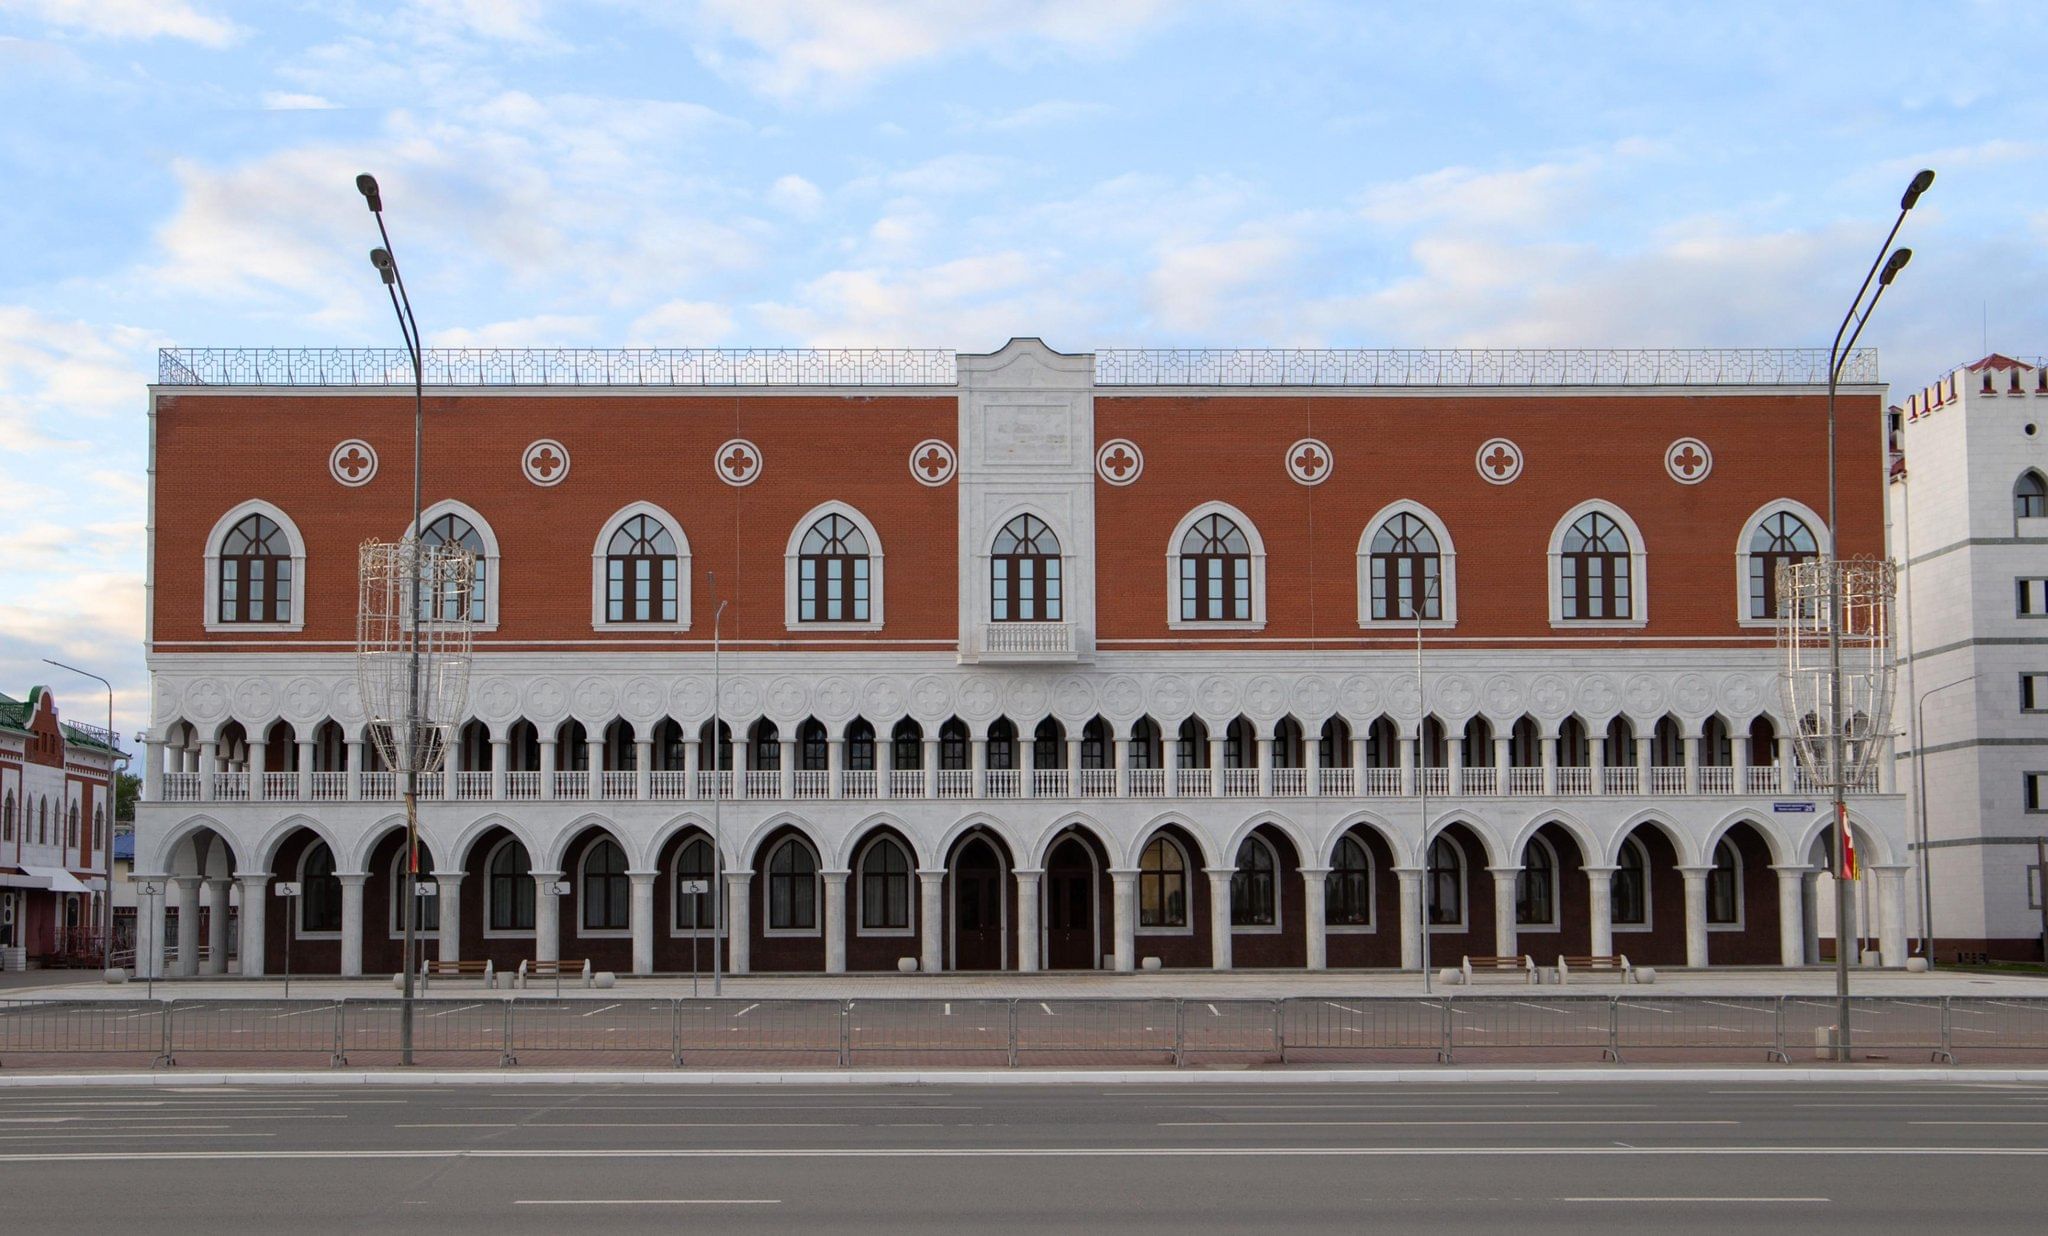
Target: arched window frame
[
  {"x": 1064, "y": 558},
  {"x": 1743, "y": 592},
  {"x": 816, "y": 891},
  {"x": 1336, "y": 873},
  {"x": 791, "y": 592},
  {"x": 1638, "y": 568},
  {"x": 429, "y": 925},
  {"x": 493, "y": 572},
  {"x": 1161, "y": 876},
  {"x": 861, "y": 891},
  {"x": 1256, "y": 844},
  {"x": 2024, "y": 497},
  {"x": 1633, "y": 847},
  {"x": 679, "y": 925},
  {"x": 1256, "y": 551},
  {"x": 1460, "y": 885},
  {"x": 1729, "y": 877},
  {"x": 1546, "y": 871},
  {"x": 492, "y": 894},
  {"x": 7, "y": 819},
  {"x": 71, "y": 827},
  {"x": 625, "y": 888},
  {"x": 1447, "y": 569},
  {"x": 303, "y": 904},
  {"x": 218, "y": 537},
  {"x": 600, "y": 608}
]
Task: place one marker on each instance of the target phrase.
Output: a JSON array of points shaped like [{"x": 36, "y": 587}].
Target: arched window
[
  {"x": 1347, "y": 890},
  {"x": 1215, "y": 572},
  {"x": 1595, "y": 577},
  {"x": 1405, "y": 566},
  {"x": 2030, "y": 496},
  {"x": 953, "y": 743},
  {"x": 885, "y": 888},
  {"x": 605, "y": 900},
  {"x": 793, "y": 888},
  {"x": 832, "y": 572},
  {"x": 1162, "y": 885},
  {"x": 453, "y": 529},
  {"x": 319, "y": 891},
  {"x": 642, "y": 573},
  {"x": 906, "y": 745},
  {"x": 99, "y": 828},
  {"x": 860, "y": 745},
  {"x": 1631, "y": 887},
  {"x": 695, "y": 912},
  {"x": 71, "y": 828},
  {"x": 1002, "y": 744},
  {"x": 43, "y": 820},
  {"x": 1536, "y": 886},
  {"x": 1724, "y": 885},
  {"x": 1254, "y": 889},
  {"x": 1780, "y": 540},
  {"x": 813, "y": 751},
  {"x": 510, "y": 891},
  {"x": 1024, "y": 576},
  {"x": 1446, "y": 883},
  {"x": 255, "y": 579},
  {"x": 7, "y": 819}
]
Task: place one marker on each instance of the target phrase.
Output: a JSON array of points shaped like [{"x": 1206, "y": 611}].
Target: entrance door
[
  {"x": 1070, "y": 907},
  {"x": 978, "y": 908}
]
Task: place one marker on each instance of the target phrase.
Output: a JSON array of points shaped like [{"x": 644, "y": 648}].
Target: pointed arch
[
  {"x": 861, "y": 554},
  {"x": 1215, "y": 571},
  {"x": 216, "y": 541},
  {"x": 1590, "y": 528},
  {"x": 1772, "y": 533},
  {"x": 1445, "y": 553},
  {"x": 487, "y": 557},
  {"x": 602, "y": 585}
]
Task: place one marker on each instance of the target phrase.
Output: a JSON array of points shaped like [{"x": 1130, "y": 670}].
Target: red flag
[{"x": 1850, "y": 868}]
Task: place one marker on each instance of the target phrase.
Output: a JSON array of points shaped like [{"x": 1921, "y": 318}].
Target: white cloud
[
  {"x": 796, "y": 196},
  {"x": 681, "y": 324},
  {"x": 130, "y": 19},
  {"x": 539, "y": 331},
  {"x": 286, "y": 101},
  {"x": 1196, "y": 288},
  {"x": 1048, "y": 114},
  {"x": 967, "y": 302},
  {"x": 793, "y": 49}
]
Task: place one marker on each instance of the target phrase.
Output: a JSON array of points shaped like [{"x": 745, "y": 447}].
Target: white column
[
  {"x": 692, "y": 763},
  {"x": 1596, "y": 759},
  {"x": 835, "y": 920},
  {"x": 1503, "y": 759},
  {"x": 1314, "y": 884},
  {"x": 786, "y": 767},
  {"x": 1215, "y": 766},
  {"x": 352, "y": 922},
  {"x": 188, "y": 925},
  {"x": 216, "y": 927},
  {"x": 594, "y": 747},
  {"x": 1073, "y": 767},
  {"x": 209, "y": 764},
  {"x": 1809, "y": 914},
  {"x": 153, "y": 944},
  {"x": 641, "y": 916},
  {"x": 1695, "y": 915},
  {"x": 739, "y": 906},
  {"x": 1027, "y": 919},
  {"x": 1169, "y": 764},
  {"x": 1891, "y": 923},
  {"x": 1124, "y": 904},
  {"x": 1122, "y": 788},
  {"x": 501, "y": 767},
  {"x": 1265, "y": 781},
  {"x": 1219, "y": 917},
  {"x": 643, "y": 768},
  {"x": 1410, "y": 748},
  {"x": 1642, "y": 765},
  {"x": 1454, "y": 762},
  {"x": 1692, "y": 763},
  {"x": 1411, "y": 915},
  {"x": 305, "y": 769},
  {"x": 448, "y": 907},
  {"x": 547, "y": 767},
  {"x": 885, "y": 764},
  {"x": 835, "y": 767},
  {"x": 255, "y": 905},
  {"x": 547, "y": 917},
  {"x": 1312, "y": 762},
  {"x": 153, "y": 754},
  {"x": 1787, "y": 761},
  {"x": 259, "y": 763},
  {"x": 1600, "y": 904},
  {"x": 978, "y": 766},
  {"x": 931, "y": 920},
  {"x": 1504, "y": 925},
  {"x": 1547, "y": 747},
  {"x": 931, "y": 768},
  {"x": 1738, "y": 759},
  {"x": 1027, "y": 765},
  {"x": 1359, "y": 744},
  {"x": 1791, "y": 915}
]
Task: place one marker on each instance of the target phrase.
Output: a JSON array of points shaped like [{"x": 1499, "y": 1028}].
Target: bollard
[
  {"x": 1443, "y": 1054},
  {"x": 1947, "y": 1052}
]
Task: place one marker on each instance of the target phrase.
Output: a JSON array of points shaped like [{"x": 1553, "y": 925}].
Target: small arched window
[
  {"x": 695, "y": 911},
  {"x": 43, "y": 820},
  {"x": 906, "y": 743},
  {"x": 1724, "y": 885},
  {"x": 1405, "y": 571},
  {"x": 793, "y": 888},
  {"x": 1446, "y": 883},
  {"x": 511, "y": 888},
  {"x": 641, "y": 572},
  {"x": 1254, "y": 887},
  {"x": 1536, "y": 886},
  {"x": 606, "y": 904},
  {"x": 319, "y": 891},
  {"x": 2030, "y": 496},
  {"x": 860, "y": 745},
  {"x": 453, "y": 529},
  {"x": 1631, "y": 888},
  {"x": 832, "y": 572},
  {"x": 1162, "y": 885},
  {"x": 1780, "y": 540},
  {"x": 99, "y": 828},
  {"x": 7, "y": 819},
  {"x": 1025, "y": 584},
  {"x": 885, "y": 888},
  {"x": 255, "y": 573},
  {"x": 1347, "y": 891},
  {"x": 1595, "y": 580},
  {"x": 1215, "y": 572},
  {"x": 71, "y": 828}
]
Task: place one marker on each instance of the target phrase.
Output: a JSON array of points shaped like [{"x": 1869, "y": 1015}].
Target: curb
[{"x": 1779, "y": 1075}]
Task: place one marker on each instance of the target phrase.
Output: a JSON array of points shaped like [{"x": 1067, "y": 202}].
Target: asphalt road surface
[{"x": 1483, "y": 1157}]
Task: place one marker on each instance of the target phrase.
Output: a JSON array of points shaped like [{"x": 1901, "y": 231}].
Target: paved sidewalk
[{"x": 1240, "y": 984}]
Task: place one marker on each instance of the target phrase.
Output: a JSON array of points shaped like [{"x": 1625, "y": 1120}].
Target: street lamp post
[
  {"x": 1838, "y": 354},
  {"x": 107, "y": 842},
  {"x": 718, "y": 924},
  {"x": 1920, "y": 789},
  {"x": 1416, "y": 609}
]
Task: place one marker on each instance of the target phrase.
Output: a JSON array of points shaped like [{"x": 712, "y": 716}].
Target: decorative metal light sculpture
[{"x": 1838, "y": 666}]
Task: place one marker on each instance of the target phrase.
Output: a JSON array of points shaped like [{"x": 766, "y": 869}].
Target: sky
[{"x": 950, "y": 173}]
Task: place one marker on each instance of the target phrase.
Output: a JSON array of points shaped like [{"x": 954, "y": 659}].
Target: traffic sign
[
  {"x": 696, "y": 887},
  {"x": 287, "y": 890}
]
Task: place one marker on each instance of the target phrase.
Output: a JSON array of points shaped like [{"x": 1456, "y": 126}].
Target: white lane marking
[
  {"x": 594, "y": 1012},
  {"x": 648, "y": 1201},
  {"x": 1740, "y": 1008},
  {"x": 461, "y": 1009},
  {"x": 745, "y": 1107},
  {"x": 1047, "y": 1007},
  {"x": 1654, "y": 1008},
  {"x": 1046, "y": 1152},
  {"x": 1213, "y": 1012},
  {"x": 201, "y": 1131},
  {"x": 1404, "y": 1092},
  {"x": 743, "y": 1012},
  {"x": 1746, "y": 1201},
  {"x": 949, "y": 1008},
  {"x": 318, "y": 1008},
  {"x": 1304, "y": 1124},
  {"x": 1344, "y": 1008},
  {"x": 1376, "y": 1106},
  {"x": 2031, "y": 1124}
]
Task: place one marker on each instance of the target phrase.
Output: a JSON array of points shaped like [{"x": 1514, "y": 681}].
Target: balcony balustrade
[
  {"x": 906, "y": 783},
  {"x": 1717, "y": 779},
  {"x": 1148, "y": 782},
  {"x": 1436, "y": 782},
  {"x": 1003, "y": 783},
  {"x": 1049, "y": 782},
  {"x": 1481, "y": 781},
  {"x": 1240, "y": 783},
  {"x": 857, "y": 783},
  {"x": 1665, "y": 779},
  {"x": 764, "y": 783},
  {"x": 1336, "y": 782},
  {"x": 520, "y": 785},
  {"x": 1622, "y": 781},
  {"x": 810, "y": 783},
  {"x": 1380, "y": 782},
  {"x": 956, "y": 783},
  {"x": 1098, "y": 783},
  {"x": 1525, "y": 782},
  {"x": 668, "y": 783},
  {"x": 1290, "y": 782},
  {"x": 1574, "y": 781},
  {"x": 575, "y": 784},
  {"x": 280, "y": 785},
  {"x": 330, "y": 787}
]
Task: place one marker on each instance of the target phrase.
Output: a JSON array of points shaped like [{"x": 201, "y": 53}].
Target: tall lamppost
[
  {"x": 1883, "y": 270},
  {"x": 1920, "y": 789},
  {"x": 107, "y": 842},
  {"x": 1416, "y": 609},
  {"x": 718, "y": 790}
]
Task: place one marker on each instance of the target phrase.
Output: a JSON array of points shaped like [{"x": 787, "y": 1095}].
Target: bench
[
  {"x": 431, "y": 969},
  {"x": 1472, "y": 967},
  {"x": 1616, "y": 965},
  {"x": 556, "y": 970}
]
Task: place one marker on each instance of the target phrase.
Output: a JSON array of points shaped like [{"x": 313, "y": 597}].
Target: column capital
[
  {"x": 439, "y": 874},
  {"x": 1031, "y": 873},
  {"x": 1889, "y": 868},
  {"x": 1794, "y": 869},
  {"x": 1309, "y": 873},
  {"x": 1123, "y": 873},
  {"x": 246, "y": 877},
  {"x": 1505, "y": 871},
  {"x": 1220, "y": 873},
  {"x": 1603, "y": 872},
  {"x": 835, "y": 875},
  {"x": 1695, "y": 873},
  {"x": 642, "y": 877},
  {"x": 351, "y": 877},
  {"x": 930, "y": 876},
  {"x": 188, "y": 881}
]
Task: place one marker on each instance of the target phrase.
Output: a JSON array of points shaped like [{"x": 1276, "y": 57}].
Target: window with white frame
[
  {"x": 319, "y": 892},
  {"x": 1597, "y": 566},
  {"x": 833, "y": 571},
  {"x": 509, "y": 891},
  {"x": 255, "y": 571},
  {"x": 1216, "y": 570},
  {"x": 457, "y": 524},
  {"x": 1446, "y": 877},
  {"x": 1783, "y": 535},
  {"x": 1025, "y": 573},
  {"x": 1724, "y": 885},
  {"x": 1406, "y": 569},
  {"x": 605, "y": 890},
  {"x": 640, "y": 570}
]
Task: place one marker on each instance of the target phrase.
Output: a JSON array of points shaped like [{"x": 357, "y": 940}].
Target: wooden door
[
  {"x": 978, "y": 908},
  {"x": 1070, "y": 908}
]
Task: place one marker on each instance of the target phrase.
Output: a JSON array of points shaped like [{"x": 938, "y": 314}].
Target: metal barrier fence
[{"x": 494, "y": 1028}]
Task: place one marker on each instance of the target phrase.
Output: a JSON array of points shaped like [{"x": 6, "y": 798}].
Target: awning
[
  {"x": 15, "y": 877},
  {"x": 60, "y": 880}
]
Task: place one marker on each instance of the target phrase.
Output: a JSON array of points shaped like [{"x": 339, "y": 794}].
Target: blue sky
[{"x": 948, "y": 174}]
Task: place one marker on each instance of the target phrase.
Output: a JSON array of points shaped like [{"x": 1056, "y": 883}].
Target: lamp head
[
  {"x": 366, "y": 185},
  {"x": 1892, "y": 268},
  {"x": 1921, "y": 180},
  {"x": 381, "y": 259}
]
